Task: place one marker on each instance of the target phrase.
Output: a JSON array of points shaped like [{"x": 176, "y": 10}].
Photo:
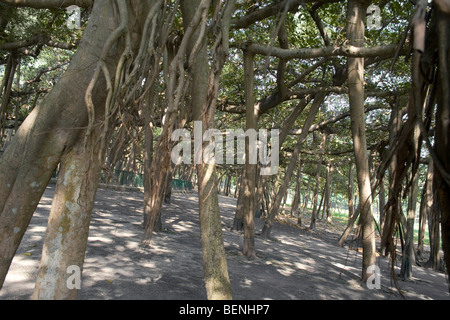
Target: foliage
[{"x": 302, "y": 32}]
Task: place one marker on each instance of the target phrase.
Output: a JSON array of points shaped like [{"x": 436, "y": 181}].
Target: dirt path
[{"x": 299, "y": 265}]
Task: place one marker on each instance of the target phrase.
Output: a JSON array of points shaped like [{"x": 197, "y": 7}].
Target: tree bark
[
  {"x": 306, "y": 198},
  {"x": 409, "y": 252},
  {"x": 68, "y": 227},
  {"x": 29, "y": 162},
  {"x": 349, "y": 227},
  {"x": 6, "y": 87},
  {"x": 350, "y": 190},
  {"x": 391, "y": 209},
  {"x": 48, "y": 4},
  {"x": 355, "y": 33},
  {"x": 327, "y": 200},
  {"x": 442, "y": 134},
  {"x": 422, "y": 220},
  {"x": 250, "y": 169},
  {"x": 295, "y": 207},
  {"x": 217, "y": 281},
  {"x": 381, "y": 202},
  {"x": 148, "y": 157},
  {"x": 315, "y": 209},
  {"x": 432, "y": 209},
  {"x": 238, "y": 221}
]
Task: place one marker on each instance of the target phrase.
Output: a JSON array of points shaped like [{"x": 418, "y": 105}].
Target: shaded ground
[{"x": 300, "y": 264}]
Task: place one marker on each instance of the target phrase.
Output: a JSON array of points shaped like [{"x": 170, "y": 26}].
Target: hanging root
[{"x": 101, "y": 68}]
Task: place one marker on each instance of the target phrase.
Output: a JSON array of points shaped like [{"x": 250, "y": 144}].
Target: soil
[{"x": 298, "y": 264}]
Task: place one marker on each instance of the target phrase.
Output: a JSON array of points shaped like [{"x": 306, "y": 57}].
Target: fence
[{"x": 132, "y": 179}]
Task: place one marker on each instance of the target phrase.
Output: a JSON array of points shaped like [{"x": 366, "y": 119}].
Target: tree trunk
[
  {"x": 68, "y": 227},
  {"x": 442, "y": 135},
  {"x": 433, "y": 223},
  {"x": 315, "y": 210},
  {"x": 422, "y": 220},
  {"x": 217, "y": 281},
  {"x": 6, "y": 88},
  {"x": 381, "y": 202},
  {"x": 327, "y": 201},
  {"x": 390, "y": 210},
  {"x": 296, "y": 203},
  {"x": 305, "y": 202},
  {"x": 172, "y": 119},
  {"x": 238, "y": 221},
  {"x": 259, "y": 193},
  {"x": 409, "y": 253},
  {"x": 250, "y": 169},
  {"x": 319, "y": 208},
  {"x": 228, "y": 185},
  {"x": 349, "y": 227},
  {"x": 69, "y": 220},
  {"x": 356, "y": 15},
  {"x": 148, "y": 157},
  {"x": 350, "y": 190},
  {"x": 29, "y": 162}
]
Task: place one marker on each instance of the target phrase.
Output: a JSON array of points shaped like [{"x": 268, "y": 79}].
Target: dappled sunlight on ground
[{"x": 296, "y": 264}]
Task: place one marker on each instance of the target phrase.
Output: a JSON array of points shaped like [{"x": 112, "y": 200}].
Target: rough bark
[
  {"x": 238, "y": 221},
  {"x": 350, "y": 189},
  {"x": 69, "y": 220},
  {"x": 327, "y": 199},
  {"x": 217, "y": 281},
  {"x": 6, "y": 87},
  {"x": 250, "y": 169},
  {"x": 48, "y": 4},
  {"x": 355, "y": 33},
  {"x": 315, "y": 210},
  {"x": 68, "y": 227},
  {"x": 351, "y": 51},
  {"x": 409, "y": 253},
  {"x": 349, "y": 227},
  {"x": 295, "y": 208},
  {"x": 173, "y": 118},
  {"x": 381, "y": 202},
  {"x": 442, "y": 135},
  {"x": 148, "y": 157},
  {"x": 304, "y": 205},
  {"x": 391, "y": 209},
  {"x": 422, "y": 221},
  {"x": 29, "y": 162},
  {"x": 432, "y": 212}
]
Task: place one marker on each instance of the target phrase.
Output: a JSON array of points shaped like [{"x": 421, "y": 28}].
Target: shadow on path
[{"x": 298, "y": 265}]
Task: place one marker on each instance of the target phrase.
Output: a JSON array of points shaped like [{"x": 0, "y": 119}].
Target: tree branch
[
  {"x": 323, "y": 124},
  {"x": 270, "y": 10},
  {"x": 310, "y": 53},
  {"x": 39, "y": 39},
  {"x": 48, "y": 4}
]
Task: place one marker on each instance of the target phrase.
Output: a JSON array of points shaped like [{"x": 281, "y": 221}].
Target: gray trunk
[
  {"x": 68, "y": 227},
  {"x": 29, "y": 162},
  {"x": 356, "y": 15}
]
